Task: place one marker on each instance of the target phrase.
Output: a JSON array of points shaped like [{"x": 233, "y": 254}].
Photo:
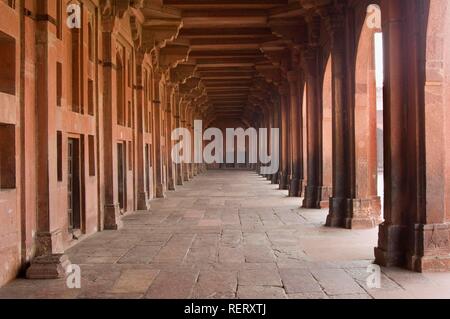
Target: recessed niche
[
  {"x": 7, "y": 156},
  {"x": 7, "y": 64}
]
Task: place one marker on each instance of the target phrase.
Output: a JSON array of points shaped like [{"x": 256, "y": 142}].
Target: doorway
[
  {"x": 74, "y": 185},
  {"x": 122, "y": 181},
  {"x": 147, "y": 168}
]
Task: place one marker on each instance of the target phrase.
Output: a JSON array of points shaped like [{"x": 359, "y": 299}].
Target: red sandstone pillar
[
  {"x": 430, "y": 247},
  {"x": 316, "y": 195},
  {"x": 170, "y": 164},
  {"x": 276, "y": 124},
  {"x": 178, "y": 124},
  {"x": 284, "y": 160},
  {"x": 341, "y": 123},
  {"x": 295, "y": 183},
  {"x": 416, "y": 231},
  {"x": 142, "y": 194},
  {"x": 158, "y": 138},
  {"x": 393, "y": 232},
  {"x": 111, "y": 213},
  {"x": 185, "y": 125},
  {"x": 269, "y": 127},
  {"x": 190, "y": 126},
  {"x": 301, "y": 125},
  {"x": 346, "y": 209},
  {"x": 49, "y": 262}
]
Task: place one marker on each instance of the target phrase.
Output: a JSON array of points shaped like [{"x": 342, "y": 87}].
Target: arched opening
[
  {"x": 369, "y": 111},
  {"x": 7, "y": 64},
  {"x": 327, "y": 124}
]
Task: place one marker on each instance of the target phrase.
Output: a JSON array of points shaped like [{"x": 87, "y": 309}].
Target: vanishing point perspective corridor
[
  {"x": 229, "y": 234},
  {"x": 225, "y": 149}
]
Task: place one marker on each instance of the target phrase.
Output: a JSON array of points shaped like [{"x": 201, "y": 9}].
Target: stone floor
[{"x": 229, "y": 234}]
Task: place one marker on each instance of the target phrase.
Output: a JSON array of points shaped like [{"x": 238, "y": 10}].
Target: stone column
[
  {"x": 301, "y": 136},
  {"x": 393, "y": 232},
  {"x": 50, "y": 262},
  {"x": 276, "y": 124},
  {"x": 430, "y": 247},
  {"x": 112, "y": 212},
  {"x": 157, "y": 136},
  {"x": 190, "y": 126},
  {"x": 184, "y": 124},
  {"x": 168, "y": 133},
  {"x": 260, "y": 119},
  {"x": 287, "y": 98},
  {"x": 346, "y": 209},
  {"x": 416, "y": 230},
  {"x": 269, "y": 127},
  {"x": 185, "y": 165},
  {"x": 316, "y": 195},
  {"x": 284, "y": 160},
  {"x": 341, "y": 125},
  {"x": 178, "y": 124},
  {"x": 295, "y": 183},
  {"x": 142, "y": 195}
]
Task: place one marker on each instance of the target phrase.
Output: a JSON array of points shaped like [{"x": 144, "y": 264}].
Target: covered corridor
[
  {"x": 354, "y": 96},
  {"x": 230, "y": 234}
]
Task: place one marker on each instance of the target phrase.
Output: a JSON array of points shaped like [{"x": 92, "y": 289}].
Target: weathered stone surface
[
  {"x": 162, "y": 259},
  {"x": 299, "y": 281},
  {"x": 215, "y": 285},
  {"x": 260, "y": 292},
  {"x": 87, "y": 116},
  {"x": 173, "y": 285},
  {"x": 48, "y": 267},
  {"x": 259, "y": 277},
  {"x": 134, "y": 281}
]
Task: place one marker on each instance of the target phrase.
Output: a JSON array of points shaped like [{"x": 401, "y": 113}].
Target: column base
[
  {"x": 171, "y": 184},
  {"x": 52, "y": 266},
  {"x": 295, "y": 187},
  {"x": 48, "y": 243},
  {"x": 431, "y": 251},
  {"x": 142, "y": 202},
  {"x": 354, "y": 213},
  {"x": 283, "y": 181},
  {"x": 392, "y": 240},
  {"x": 112, "y": 217},
  {"x": 180, "y": 180},
  {"x": 160, "y": 191},
  {"x": 202, "y": 168},
  {"x": 186, "y": 172},
  {"x": 317, "y": 197},
  {"x": 275, "y": 178}
]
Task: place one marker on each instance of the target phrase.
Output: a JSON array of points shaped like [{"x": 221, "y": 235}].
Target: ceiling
[{"x": 235, "y": 51}]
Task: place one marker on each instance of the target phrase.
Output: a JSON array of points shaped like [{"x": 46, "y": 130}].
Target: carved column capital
[{"x": 334, "y": 17}]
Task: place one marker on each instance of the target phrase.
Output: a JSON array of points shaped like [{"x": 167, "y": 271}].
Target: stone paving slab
[{"x": 230, "y": 234}]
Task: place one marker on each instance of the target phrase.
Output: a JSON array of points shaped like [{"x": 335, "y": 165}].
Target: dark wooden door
[
  {"x": 121, "y": 162},
  {"x": 73, "y": 184}
]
